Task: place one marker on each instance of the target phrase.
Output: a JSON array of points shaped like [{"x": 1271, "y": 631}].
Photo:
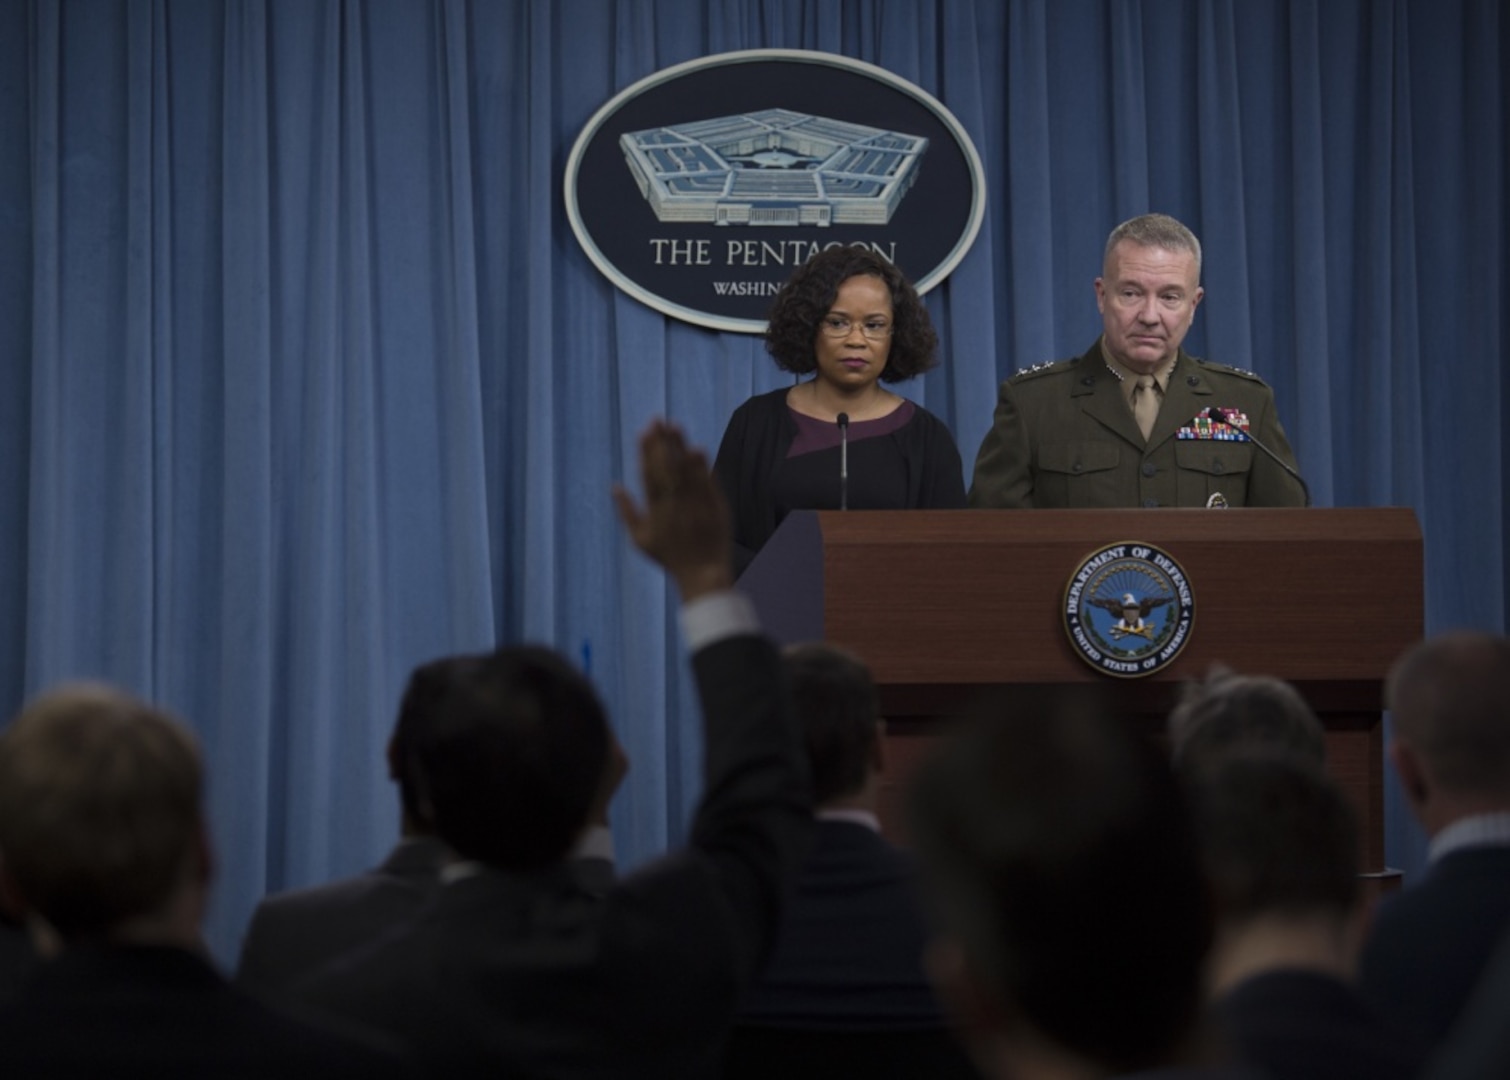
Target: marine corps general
[{"x": 1130, "y": 423}]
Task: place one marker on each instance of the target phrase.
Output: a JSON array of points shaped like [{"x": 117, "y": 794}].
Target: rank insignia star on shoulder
[
  {"x": 1229, "y": 369},
  {"x": 1034, "y": 369}
]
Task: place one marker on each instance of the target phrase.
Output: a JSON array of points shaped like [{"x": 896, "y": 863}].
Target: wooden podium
[{"x": 943, "y": 604}]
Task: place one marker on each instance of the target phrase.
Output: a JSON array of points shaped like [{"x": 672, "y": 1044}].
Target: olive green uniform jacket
[{"x": 1064, "y": 437}]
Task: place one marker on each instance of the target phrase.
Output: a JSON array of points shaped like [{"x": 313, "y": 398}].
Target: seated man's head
[
  {"x": 1280, "y": 844},
  {"x": 837, "y": 707},
  {"x": 510, "y": 750},
  {"x": 1449, "y": 700},
  {"x": 1067, "y": 885},
  {"x": 428, "y": 684},
  {"x": 1228, "y": 713},
  {"x": 101, "y": 828}
]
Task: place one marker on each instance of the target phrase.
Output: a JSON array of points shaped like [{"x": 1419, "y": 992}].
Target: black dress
[{"x": 773, "y": 460}]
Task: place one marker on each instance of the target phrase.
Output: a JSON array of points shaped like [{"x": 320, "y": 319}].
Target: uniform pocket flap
[
  {"x": 1078, "y": 459},
  {"x": 1214, "y": 458}
]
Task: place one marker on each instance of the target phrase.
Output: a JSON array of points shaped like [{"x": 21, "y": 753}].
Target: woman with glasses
[{"x": 851, "y": 321}]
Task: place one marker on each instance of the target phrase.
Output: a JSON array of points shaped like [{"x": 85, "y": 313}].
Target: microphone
[
  {"x": 844, "y": 461},
  {"x": 1216, "y": 416}
]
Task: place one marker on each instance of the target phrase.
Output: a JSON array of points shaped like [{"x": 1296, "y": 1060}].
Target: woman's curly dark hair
[{"x": 792, "y": 333}]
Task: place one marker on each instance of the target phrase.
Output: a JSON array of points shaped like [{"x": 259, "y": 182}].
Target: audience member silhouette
[
  {"x": 296, "y": 933},
  {"x": 1449, "y": 698},
  {"x": 1479, "y": 1043},
  {"x": 102, "y": 836},
  {"x": 1061, "y": 861},
  {"x": 18, "y": 955},
  {"x": 845, "y": 992},
  {"x": 516, "y": 969},
  {"x": 1280, "y": 843}
]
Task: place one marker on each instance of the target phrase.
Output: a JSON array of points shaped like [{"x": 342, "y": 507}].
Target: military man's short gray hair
[{"x": 1156, "y": 230}]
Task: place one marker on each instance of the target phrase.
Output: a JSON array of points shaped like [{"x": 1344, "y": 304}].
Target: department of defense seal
[{"x": 1128, "y": 609}]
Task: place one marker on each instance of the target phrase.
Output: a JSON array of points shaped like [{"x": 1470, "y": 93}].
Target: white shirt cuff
[
  {"x": 717, "y": 616},
  {"x": 854, "y": 817},
  {"x": 596, "y": 842}
]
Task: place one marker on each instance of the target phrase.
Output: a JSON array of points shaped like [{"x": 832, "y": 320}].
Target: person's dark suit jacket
[
  {"x": 1304, "y": 1025},
  {"x": 850, "y": 952},
  {"x": 1430, "y": 942},
  {"x": 1479, "y": 1045},
  {"x": 295, "y": 933},
  {"x": 160, "y": 1013},
  {"x": 532, "y": 974},
  {"x": 845, "y": 993},
  {"x": 18, "y": 959}
]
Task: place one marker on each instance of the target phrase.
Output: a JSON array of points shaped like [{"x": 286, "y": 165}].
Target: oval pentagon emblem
[
  {"x": 701, "y": 188},
  {"x": 1128, "y": 609}
]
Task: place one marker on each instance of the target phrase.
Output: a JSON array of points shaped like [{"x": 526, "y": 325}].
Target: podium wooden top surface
[{"x": 976, "y": 597}]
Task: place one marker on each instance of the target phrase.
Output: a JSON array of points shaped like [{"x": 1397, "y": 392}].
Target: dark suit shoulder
[
  {"x": 413, "y": 863},
  {"x": 854, "y": 851},
  {"x": 160, "y": 1011},
  {"x": 330, "y": 892}
]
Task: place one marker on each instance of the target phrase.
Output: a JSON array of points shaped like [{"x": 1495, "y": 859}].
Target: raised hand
[{"x": 684, "y": 524}]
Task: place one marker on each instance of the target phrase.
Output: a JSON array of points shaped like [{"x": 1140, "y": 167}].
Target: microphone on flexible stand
[
  {"x": 844, "y": 461},
  {"x": 1216, "y": 416}
]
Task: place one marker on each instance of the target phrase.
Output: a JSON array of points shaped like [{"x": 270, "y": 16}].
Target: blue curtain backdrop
[{"x": 304, "y": 378}]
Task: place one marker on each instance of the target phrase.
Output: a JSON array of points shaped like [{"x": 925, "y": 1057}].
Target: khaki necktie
[{"x": 1145, "y": 403}]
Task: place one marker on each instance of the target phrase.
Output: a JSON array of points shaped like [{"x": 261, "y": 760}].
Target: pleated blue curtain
[{"x": 304, "y": 379}]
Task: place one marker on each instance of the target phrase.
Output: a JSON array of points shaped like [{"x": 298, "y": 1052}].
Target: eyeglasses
[{"x": 837, "y": 326}]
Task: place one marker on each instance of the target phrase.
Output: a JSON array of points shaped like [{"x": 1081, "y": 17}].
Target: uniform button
[
  {"x": 1192, "y": 380},
  {"x": 1218, "y": 468},
  {"x": 1149, "y": 468},
  {"x": 1089, "y": 380},
  {"x": 1149, "y": 504},
  {"x": 1077, "y": 468}
]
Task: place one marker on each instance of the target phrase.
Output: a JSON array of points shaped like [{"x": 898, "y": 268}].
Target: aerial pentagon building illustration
[{"x": 773, "y": 167}]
